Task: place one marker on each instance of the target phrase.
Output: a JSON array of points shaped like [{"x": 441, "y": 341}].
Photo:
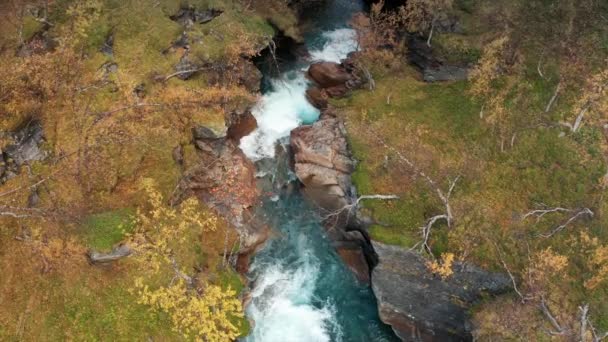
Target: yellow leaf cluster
[
  {"x": 597, "y": 259},
  {"x": 160, "y": 226},
  {"x": 202, "y": 314},
  {"x": 202, "y": 317},
  {"x": 488, "y": 68},
  {"x": 443, "y": 268},
  {"x": 83, "y": 14},
  {"x": 545, "y": 265}
]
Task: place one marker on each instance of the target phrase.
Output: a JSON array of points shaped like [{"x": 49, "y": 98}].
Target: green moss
[
  {"x": 87, "y": 312},
  {"x": 393, "y": 236},
  {"x": 104, "y": 230},
  {"x": 457, "y": 48},
  {"x": 30, "y": 27}
]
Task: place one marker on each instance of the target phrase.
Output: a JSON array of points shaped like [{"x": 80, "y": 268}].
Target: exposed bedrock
[
  {"x": 24, "y": 147},
  {"x": 421, "y": 306},
  {"x": 323, "y": 164},
  {"x": 224, "y": 178}
]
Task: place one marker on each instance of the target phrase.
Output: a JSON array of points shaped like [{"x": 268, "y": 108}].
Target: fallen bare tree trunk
[{"x": 119, "y": 252}]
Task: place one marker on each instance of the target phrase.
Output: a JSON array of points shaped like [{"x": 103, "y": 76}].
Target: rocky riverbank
[{"x": 419, "y": 305}]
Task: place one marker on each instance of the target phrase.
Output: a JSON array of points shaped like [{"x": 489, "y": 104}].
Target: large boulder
[
  {"x": 333, "y": 80},
  {"x": 328, "y": 74},
  {"x": 421, "y": 306},
  {"x": 240, "y": 124},
  {"x": 323, "y": 162}
]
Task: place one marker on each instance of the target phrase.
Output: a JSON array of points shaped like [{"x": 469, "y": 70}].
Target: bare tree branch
[
  {"x": 432, "y": 184},
  {"x": 547, "y": 313},
  {"x": 584, "y": 312},
  {"x": 350, "y": 208},
  {"x": 539, "y": 213},
  {"x": 426, "y": 233},
  {"x": 581, "y": 212},
  {"x": 504, "y": 265},
  {"x": 553, "y": 98},
  {"x": 182, "y": 72}
]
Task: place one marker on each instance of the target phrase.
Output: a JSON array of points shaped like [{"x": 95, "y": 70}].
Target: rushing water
[{"x": 301, "y": 290}]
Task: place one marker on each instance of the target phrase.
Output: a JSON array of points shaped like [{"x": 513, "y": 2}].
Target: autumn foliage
[{"x": 198, "y": 309}]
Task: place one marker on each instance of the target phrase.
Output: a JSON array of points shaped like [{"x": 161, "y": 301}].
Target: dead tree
[
  {"x": 119, "y": 252},
  {"x": 443, "y": 196},
  {"x": 539, "y": 213},
  {"x": 349, "y": 209},
  {"x": 579, "y": 213}
]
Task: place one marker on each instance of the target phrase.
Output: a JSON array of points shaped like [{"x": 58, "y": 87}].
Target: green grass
[
  {"x": 109, "y": 313},
  {"x": 104, "y": 230}
]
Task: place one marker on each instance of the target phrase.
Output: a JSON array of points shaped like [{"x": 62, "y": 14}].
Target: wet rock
[
  {"x": 240, "y": 124},
  {"x": 323, "y": 164},
  {"x": 328, "y": 74},
  {"x": 351, "y": 247},
  {"x": 332, "y": 80},
  {"x": 421, "y": 306},
  {"x": 317, "y": 97}
]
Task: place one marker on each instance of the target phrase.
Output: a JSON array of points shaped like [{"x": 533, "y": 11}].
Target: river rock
[
  {"x": 328, "y": 74},
  {"x": 323, "y": 162},
  {"x": 333, "y": 80},
  {"x": 317, "y": 97},
  {"x": 419, "y": 305},
  {"x": 240, "y": 124}
]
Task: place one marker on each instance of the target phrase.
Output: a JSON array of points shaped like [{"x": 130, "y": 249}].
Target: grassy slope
[
  {"x": 438, "y": 127},
  {"x": 74, "y": 300}
]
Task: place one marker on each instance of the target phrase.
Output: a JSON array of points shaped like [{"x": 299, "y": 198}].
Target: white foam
[
  {"x": 285, "y": 107},
  {"x": 277, "y": 113},
  {"x": 281, "y": 304},
  {"x": 339, "y": 43}
]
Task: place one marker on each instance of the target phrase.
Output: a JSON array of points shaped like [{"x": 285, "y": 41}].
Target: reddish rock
[
  {"x": 328, "y": 74},
  {"x": 317, "y": 97},
  {"x": 240, "y": 125}
]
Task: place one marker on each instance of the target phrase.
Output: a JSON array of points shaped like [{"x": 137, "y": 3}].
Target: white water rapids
[
  {"x": 285, "y": 107},
  {"x": 283, "y": 295}
]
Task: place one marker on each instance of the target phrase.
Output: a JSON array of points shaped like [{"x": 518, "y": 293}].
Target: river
[{"x": 300, "y": 289}]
